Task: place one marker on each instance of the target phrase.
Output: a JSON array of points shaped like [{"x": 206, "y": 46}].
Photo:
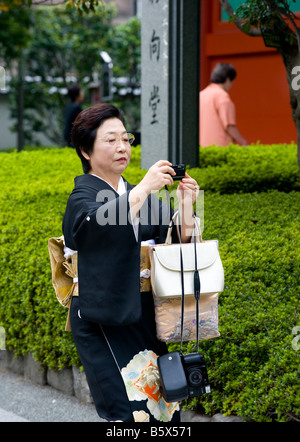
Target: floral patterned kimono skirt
[{"x": 121, "y": 367}]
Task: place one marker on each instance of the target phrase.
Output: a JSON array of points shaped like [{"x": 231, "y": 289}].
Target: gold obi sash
[
  {"x": 145, "y": 285},
  {"x": 65, "y": 273}
]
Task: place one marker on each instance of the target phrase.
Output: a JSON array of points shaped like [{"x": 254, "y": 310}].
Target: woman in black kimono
[{"x": 105, "y": 221}]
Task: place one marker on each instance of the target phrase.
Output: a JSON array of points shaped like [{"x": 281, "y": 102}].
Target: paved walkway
[
  {"x": 6, "y": 416},
  {"x": 22, "y": 401}
]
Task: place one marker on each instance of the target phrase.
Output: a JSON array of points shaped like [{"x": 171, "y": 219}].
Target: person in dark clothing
[
  {"x": 72, "y": 110},
  {"x": 106, "y": 221}
]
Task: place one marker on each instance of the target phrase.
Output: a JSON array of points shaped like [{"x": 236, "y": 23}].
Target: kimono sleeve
[
  {"x": 96, "y": 216},
  {"x": 98, "y": 227}
]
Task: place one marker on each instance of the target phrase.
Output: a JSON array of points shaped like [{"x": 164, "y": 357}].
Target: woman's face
[{"x": 111, "y": 154}]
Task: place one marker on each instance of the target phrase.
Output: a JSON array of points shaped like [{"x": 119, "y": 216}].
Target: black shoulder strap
[{"x": 197, "y": 284}]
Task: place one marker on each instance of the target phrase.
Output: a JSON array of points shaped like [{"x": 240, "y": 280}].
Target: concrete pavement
[
  {"x": 6, "y": 416},
  {"x": 22, "y": 401}
]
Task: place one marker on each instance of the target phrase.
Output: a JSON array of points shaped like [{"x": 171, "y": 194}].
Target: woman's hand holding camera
[
  {"x": 159, "y": 175},
  {"x": 187, "y": 193},
  {"x": 188, "y": 190}
]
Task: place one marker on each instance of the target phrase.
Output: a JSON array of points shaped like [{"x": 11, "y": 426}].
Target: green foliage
[
  {"x": 125, "y": 50},
  {"x": 15, "y": 33},
  {"x": 253, "y": 368},
  {"x": 34, "y": 189},
  {"x": 125, "y": 42},
  {"x": 60, "y": 45},
  {"x": 64, "y": 44},
  {"x": 239, "y": 169},
  {"x": 253, "y": 168},
  {"x": 82, "y": 6},
  {"x": 270, "y": 17}
]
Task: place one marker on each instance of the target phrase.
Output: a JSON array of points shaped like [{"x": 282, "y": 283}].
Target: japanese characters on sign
[
  {"x": 155, "y": 46},
  {"x": 155, "y": 52},
  {"x": 153, "y": 103}
]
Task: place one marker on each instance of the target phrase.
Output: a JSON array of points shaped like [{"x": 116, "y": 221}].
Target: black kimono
[{"x": 112, "y": 322}]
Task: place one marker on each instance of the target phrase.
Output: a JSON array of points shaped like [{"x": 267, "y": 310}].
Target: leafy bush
[
  {"x": 255, "y": 154},
  {"x": 34, "y": 190},
  {"x": 253, "y": 369},
  {"x": 253, "y": 168},
  {"x": 238, "y": 169}
]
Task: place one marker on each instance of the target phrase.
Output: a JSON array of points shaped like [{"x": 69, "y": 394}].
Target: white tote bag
[
  {"x": 166, "y": 269},
  {"x": 167, "y": 288}
]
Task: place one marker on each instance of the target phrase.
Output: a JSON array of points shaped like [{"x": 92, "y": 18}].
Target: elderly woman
[{"x": 105, "y": 221}]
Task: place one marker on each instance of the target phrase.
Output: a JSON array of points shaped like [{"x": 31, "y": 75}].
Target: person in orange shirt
[{"x": 217, "y": 111}]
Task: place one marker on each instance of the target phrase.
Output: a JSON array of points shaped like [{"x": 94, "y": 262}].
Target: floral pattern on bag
[{"x": 168, "y": 318}]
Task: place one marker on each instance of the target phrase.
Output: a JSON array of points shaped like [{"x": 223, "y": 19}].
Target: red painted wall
[{"x": 260, "y": 91}]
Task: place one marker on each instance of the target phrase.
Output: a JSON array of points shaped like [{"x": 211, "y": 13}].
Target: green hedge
[
  {"x": 239, "y": 169},
  {"x": 253, "y": 368},
  {"x": 253, "y": 168}
]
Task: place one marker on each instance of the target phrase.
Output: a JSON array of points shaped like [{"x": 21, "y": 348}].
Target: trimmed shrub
[
  {"x": 256, "y": 168},
  {"x": 253, "y": 368},
  {"x": 34, "y": 190}
]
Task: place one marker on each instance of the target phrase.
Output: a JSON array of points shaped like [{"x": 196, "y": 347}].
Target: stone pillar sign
[
  {"x": 155, "y": 81},
  {"x": 170, "y": 81}
]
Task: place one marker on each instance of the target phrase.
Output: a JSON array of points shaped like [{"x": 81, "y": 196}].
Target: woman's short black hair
[
  {"x": 85, "y": 127},
  {"x": 221, "y": 72}
]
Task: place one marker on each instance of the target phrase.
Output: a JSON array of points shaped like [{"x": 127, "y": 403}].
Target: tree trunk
[{"x": 291, "y": 60}]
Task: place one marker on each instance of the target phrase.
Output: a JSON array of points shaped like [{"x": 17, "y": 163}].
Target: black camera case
[
  {"x": 182, "y": 376},
  {"x": 174, "y": 384}
]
